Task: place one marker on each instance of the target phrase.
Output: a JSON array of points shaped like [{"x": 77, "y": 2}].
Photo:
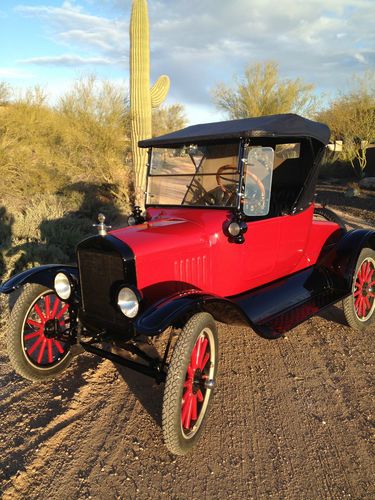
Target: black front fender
[
  {"x": 43, "y": 275},
  {"x": 177, "y": 309}
]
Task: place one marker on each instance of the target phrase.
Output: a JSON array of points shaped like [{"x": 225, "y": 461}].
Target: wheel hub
[
  {"x": 197, "y": 381},
  {"x": 51, "y": 328}
]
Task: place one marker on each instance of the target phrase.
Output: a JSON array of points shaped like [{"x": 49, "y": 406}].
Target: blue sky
[{"x": 197, "y": 43}]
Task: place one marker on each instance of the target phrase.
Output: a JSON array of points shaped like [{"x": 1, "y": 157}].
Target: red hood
[{"x": 174, "y": 245}]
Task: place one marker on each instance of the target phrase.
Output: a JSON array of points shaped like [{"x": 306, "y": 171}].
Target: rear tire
[
  {"x": 189, "y": 384},
  {"x": 359, "y": 307},
  {"x": 33, "y": 355}
]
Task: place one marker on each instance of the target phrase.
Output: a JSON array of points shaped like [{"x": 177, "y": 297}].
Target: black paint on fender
[
  {"x": 42, "y": 275},
  {"x": 177, "y": 309}
]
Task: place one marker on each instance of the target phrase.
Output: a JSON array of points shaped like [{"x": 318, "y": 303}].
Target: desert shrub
[{"x": 84, "y": 138}]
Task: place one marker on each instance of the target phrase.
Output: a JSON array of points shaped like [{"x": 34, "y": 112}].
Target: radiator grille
[{"x": 101, "y": 273}]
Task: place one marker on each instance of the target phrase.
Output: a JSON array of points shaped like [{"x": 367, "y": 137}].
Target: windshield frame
[{"x": 240, "y": 171}]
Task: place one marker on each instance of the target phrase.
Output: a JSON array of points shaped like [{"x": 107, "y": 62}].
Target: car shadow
[
  {"x": 42, "y": 404},
  {"x": 144, "y": 388},
  {"x": 59, "y": 237},
  {"x": 6, "y": 223},
  {"x": 334, "y": 314}
]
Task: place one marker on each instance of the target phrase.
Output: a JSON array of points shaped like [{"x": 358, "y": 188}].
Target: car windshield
[{"x": 194, "y": 175}]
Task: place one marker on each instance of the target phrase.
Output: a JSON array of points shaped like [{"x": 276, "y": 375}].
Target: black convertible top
[{"x": 287, "y": 125}]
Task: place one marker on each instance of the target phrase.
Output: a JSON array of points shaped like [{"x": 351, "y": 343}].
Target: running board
[{"x": 282, "y": 305}]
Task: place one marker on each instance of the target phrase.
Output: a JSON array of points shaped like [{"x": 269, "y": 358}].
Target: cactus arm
[{"x": 159, "y": 91}]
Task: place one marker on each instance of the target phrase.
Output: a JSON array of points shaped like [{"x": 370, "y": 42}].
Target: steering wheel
[
  {"x": 227, "y": 169},
  {"x": 220, "y": 176},
  {"x": 200, "y": 194}
]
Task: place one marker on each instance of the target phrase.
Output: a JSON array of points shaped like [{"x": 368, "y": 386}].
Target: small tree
[
  {"x": 351, "y": 118},
  {"x": 167, "y": 119},
  {"x": 261, "y": 91},
  {"x": 5, "y": 94}
]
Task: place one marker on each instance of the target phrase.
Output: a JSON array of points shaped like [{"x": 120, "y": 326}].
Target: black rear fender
[
  {"x": 43, "y": 275},
  {"x": 341, "y": 259}
]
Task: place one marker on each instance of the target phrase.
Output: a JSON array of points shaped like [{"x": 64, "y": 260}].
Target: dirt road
[{"x": 292, "y": 418}]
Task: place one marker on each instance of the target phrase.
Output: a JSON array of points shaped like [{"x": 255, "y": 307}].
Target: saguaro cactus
[{"x": 142, "y": 97}]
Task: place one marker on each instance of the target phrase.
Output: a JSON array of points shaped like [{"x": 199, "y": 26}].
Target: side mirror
[{"x": 258, "y": 180}]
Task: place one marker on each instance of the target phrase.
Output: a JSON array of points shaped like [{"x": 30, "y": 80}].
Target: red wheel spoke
[
  {"x": 35, "y": 345},
  {"x": 188, "y": 413},
  {"x": 187, "y": 384},
  {"x": 355, "y": 294},
  {"x": 33, "y": 334},
  {"x": 200, "y": 396},
  {"x": 370, "y": 294},
  {"x": 361, "y": 307},
  {"x": 42, "y": 349},
  {"x": 202, "y": 352},
  {"x": 193, "y": 359},
  {"x": 39, "y": 313},
  {"x": 357, "y": 302},
  {"x": 31, "y": 322},
  {"x": 185, "y": 406},
  {"x": 371, "y": 284},
  {"x": 59, "y": 346},
  {"x": 204, "y": 362},
  {"x": 194, "y": 410},
  {"x": 55, "y": 307},
  {"x": 368, "y": 271},
  {"x": 364, "y": 271},
  {"x": 368, "y": 306},
  {"x": 370, "y": 274},
  {"x": 63, "y": 311},
  {"x": 190, "y": 372},
  {"x": 359, "y": 276},
  {"x": 50, "y": 351},
  {"x": 358, "y": 305},
  {"x": 47, "y": 306}
]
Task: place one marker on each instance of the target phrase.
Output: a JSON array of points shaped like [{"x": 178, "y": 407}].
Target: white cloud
[
  {"x": 201, "y": 43},
  {"x": 69, "y": 60}
]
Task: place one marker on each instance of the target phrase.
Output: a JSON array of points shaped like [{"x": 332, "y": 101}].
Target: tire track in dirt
[
  {"x": 265, "y": 437},
  {"x": 54, "y": 442}
]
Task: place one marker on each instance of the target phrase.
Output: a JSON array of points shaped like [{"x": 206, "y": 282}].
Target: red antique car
[{"x": 228, "y": 235}]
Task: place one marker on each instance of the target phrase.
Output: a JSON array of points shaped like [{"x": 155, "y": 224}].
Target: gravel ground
[{"x": 292, "y": 418}]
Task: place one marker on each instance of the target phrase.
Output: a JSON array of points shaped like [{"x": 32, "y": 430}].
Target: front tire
[
  {"x": 359, "y": 307},
  {"x": 33, "y": 352},
  {"x": 189, "y": 385}
]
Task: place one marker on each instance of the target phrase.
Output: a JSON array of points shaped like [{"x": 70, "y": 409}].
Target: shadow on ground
[{"x": 145, "y": 389}]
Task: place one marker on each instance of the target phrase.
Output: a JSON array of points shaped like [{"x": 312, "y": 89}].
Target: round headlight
[
  {"x": 62, "y": 286},
  {"x": 128, "y": 302},
  {"x": 234, "y": 229}
]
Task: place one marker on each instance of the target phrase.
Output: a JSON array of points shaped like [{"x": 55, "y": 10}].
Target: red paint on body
[{"x": 189, "y": 245}]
